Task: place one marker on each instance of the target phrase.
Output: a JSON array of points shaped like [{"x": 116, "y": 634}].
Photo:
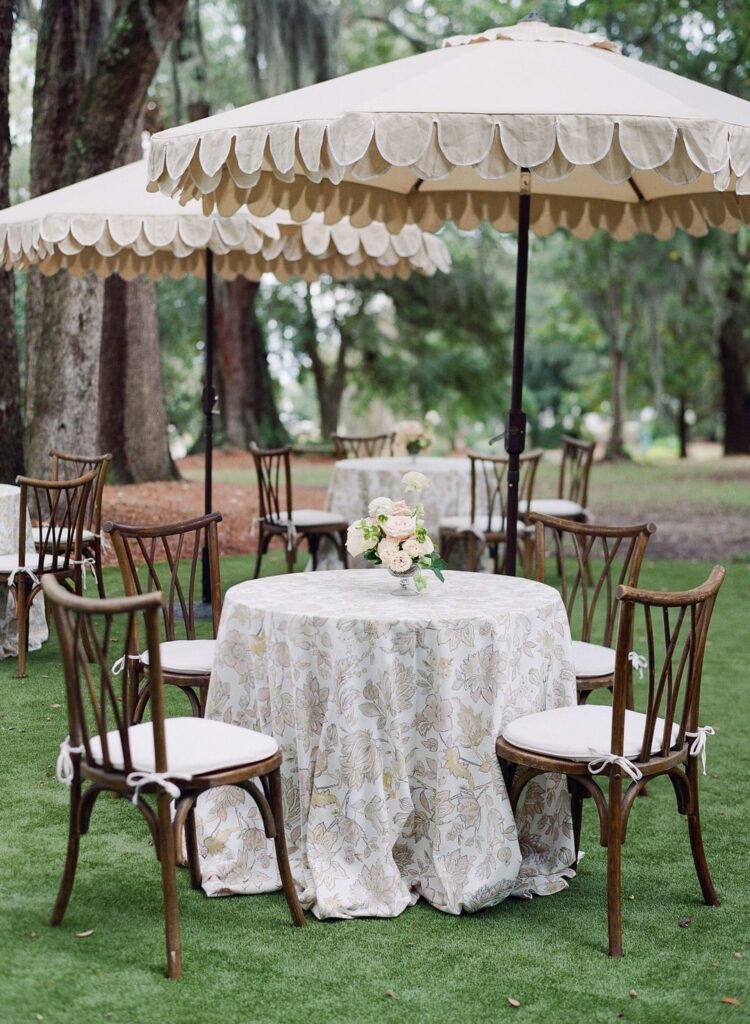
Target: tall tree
[
  {"x": 11, "y": 426},
  {"x": 87, "y": 108}
]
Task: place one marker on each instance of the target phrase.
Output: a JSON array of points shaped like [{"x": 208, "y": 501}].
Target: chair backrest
[
  {"x": 98, "y": 700},
  {"x": 363, "y": 447},
  {"x": 273, "y": 469},
  {"x": 66, "y": 466},
  {"x": 676, "y": 629},
  {"x": 575, "y": 469},
  {"x": 58, "y": 508},
  {"x": 489, "y": 484},
  {"x": 166, "y": 558},
  {"x": 593, "y": 561}
]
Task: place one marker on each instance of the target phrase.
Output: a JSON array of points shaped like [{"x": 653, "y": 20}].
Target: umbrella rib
[{"x": 641, "y": 197}]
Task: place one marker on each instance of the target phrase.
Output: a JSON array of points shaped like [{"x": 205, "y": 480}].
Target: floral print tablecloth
[
  {"x": 386, "y": 708},
  {"x": 9, "y": 505}
]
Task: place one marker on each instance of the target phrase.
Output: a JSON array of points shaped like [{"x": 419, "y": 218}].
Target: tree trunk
[
  {"x": 733, "y": 358},
  {"x": 248, "y": 402},
  {"x": 87, "y": 108},
  {"x": 145, "y": 417},
  {"x": 11, "y": 426},
  {"x": 62, "y": 369},
  {"x": 682, "y": 427},
  {"x": 616, "y": 446}
]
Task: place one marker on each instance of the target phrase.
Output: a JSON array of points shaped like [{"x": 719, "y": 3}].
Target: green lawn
[{"x": 245, "y": 963}]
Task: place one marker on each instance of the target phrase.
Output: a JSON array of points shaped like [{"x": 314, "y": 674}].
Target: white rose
[
  {"x": 355, "y": 540},
  {"x": 426, "y": 547},
  {"x": 400, "y": 562},
  {"x": 386, "y": 549},
  {"x": 412, "y": 547},
  {"x": 415, "y": 481},
  {"x": 380, "y": 507},
  {"x": 432, "y": 417}
]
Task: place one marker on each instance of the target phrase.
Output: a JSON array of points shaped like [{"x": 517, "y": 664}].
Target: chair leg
[
  {"x": 169, "y": 888},
  {"x": 576, "y": 811},
  {"x": 696, "y": 838},
  {"x": 97, "y": 551},
  {"x": 193, "y": 856},
  {"x": 614, "y": 861},
  {"x": 71, "y": 857},
  {"x": 282, "y": 859},
  {"x": 23, "y": 610},
  {"x": 291, "y": 555},
  {"x": 344, "y": 553},
  {"x": 261, "y": 551},
  {"x": 313, "y": 542}
]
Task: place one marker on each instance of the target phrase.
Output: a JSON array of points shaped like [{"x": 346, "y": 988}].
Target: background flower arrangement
[
  {"x": 393, "y": 535},
  {"x": 411, "y": 436}
]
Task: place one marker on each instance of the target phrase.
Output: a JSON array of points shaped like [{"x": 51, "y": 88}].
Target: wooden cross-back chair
[
  {"x": 587, "y": 742},
  {"x": 168, "y": 558},
  {"x": 485, "y": 526},
  {"x": 572, "y": 483},
  {"x": 278, "y": 518},
  {"x": 66, "y": 467},
  {"x": 58, "y": 508},
  {"x": 166, "y": 758},
  {"x": 592, "y": 562},
  {"x": 366, "y": 446}
]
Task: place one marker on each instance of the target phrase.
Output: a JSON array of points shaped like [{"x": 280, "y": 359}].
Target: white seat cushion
[
  {"x": 311, "y": 517},
  {"x": 580, "y": 733},
  {"x": 592, "y": 660},
  {"x": 10, "y": 562},
  {"x": 190, "y": 657},
  {"x": 39, "y": 533},
  {"x": 479, "y": 526},
  {"x": 194, "y": 746},
  {"x": 560, "y": 507}
]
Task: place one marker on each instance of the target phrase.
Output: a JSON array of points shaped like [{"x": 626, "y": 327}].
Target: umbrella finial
[{"x": 534, "y": 16}]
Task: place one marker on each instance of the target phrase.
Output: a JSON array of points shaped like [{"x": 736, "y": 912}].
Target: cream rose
[
  {"x": 399, "y": 527},
  {"x": 412, "y": 547},
  {"x": 426, "y": 547},
  {"x": 380, "y": 507},
  {"x": 387, "y": 548},
  {"x": 356, "y": 543},
  {"x": 400, "y": 562},
  {"x": 415, "y": 481}
]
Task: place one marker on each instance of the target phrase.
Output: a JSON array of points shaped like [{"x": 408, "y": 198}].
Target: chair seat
[
  {"x": 559, "y": 507},
  {"x": 592, "y": 660},
  {"x": 187, "y": 657},
  {"x": 302, "y": 517},
  {"x": 580, "y": 733},
  {"x": 10, "y": 562},
  {"x": 39, "y": 533},
  {"x": 463, "y": 524},
  {"x": 194, "y": 746}
]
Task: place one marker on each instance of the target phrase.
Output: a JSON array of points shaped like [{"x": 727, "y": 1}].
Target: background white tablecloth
[
  {"x": 355, "y": 482},
  {"x": 10, "y": 497},
  {"x": 386, "y": 708}
]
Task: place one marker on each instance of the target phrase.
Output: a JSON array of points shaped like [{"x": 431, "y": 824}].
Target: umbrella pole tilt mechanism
[
  {"x": 209, "y": 408},
  {"x": 515, "y": 422}
]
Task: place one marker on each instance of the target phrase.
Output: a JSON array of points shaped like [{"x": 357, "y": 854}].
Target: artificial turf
[{"x": 244, "y": 962}]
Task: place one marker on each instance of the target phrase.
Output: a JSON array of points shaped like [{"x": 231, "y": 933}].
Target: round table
[
  {"x": 386, "y": 708},
  {"x": 10, "y": 497},
  {"x": 355, "y": 482}
]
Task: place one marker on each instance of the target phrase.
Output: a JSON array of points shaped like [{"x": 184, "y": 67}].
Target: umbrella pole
[
  {"x": 209, "y": 400},
  {"x": 515, "y": 423}
]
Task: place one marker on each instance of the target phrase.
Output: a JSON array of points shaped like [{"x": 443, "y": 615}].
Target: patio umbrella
[
  {"x": 109, "y": 224},
  {"x": 530, "y": 127}
]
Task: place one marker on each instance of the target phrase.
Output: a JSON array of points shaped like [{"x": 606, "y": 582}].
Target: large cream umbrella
[
  {"x": 530, "y": 126},
  {"x": 109, "y": 224}
]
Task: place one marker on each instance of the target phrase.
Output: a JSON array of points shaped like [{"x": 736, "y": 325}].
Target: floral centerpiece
[
  {"x": 393, "y": 535},
  {"x": 411, "y": 436}
]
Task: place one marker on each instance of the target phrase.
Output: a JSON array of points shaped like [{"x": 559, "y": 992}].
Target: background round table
[
  {"x": 355, "y": 482},
  {"x": 10, "y": 497},
  {"x": 386, "y": 708}
]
